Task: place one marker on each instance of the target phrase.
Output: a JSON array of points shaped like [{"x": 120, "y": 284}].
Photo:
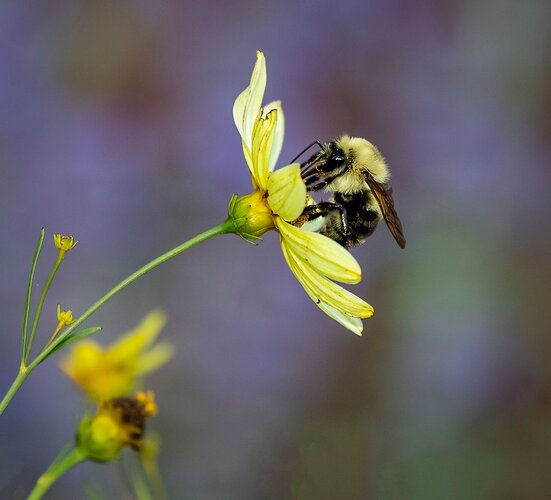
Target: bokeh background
[{"x": 116, "y": 126}]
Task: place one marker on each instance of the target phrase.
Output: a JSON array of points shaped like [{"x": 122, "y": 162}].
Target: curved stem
[
  {"x": 224, "y": 228},
  {"x": 206, "y": 235},
  {"x": 59, "y": 467}
]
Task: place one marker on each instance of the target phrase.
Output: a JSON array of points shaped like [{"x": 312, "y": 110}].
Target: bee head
[{"x": 330, "y": 159}]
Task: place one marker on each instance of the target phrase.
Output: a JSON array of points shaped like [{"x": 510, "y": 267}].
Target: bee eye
[{"x": 336, "y": 159}]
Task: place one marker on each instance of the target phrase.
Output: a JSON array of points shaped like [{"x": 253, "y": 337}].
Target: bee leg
[
  {"x": 325, "y": 209},
  {"x": 317, "y": 187}
]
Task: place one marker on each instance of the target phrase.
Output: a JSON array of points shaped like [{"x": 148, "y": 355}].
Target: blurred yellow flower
[
  {"x": 119, "y": 422},
  {"x": 104, "y": 373},
  {"x": 277, "y": 202}
]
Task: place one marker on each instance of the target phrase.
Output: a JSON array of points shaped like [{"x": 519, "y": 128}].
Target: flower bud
[
  {"x": 250, "y": 215},
  {"x": 64, "y": 317},
  {"x": 64, "y": 243},
  {"x": 119, "y": 422}
]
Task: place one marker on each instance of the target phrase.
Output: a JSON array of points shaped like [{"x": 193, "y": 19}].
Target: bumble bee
[{"x": 356, "y": 175}]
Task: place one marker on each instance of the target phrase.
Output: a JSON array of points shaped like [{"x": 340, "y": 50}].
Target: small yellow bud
[
  {"x": 64, "y": 243},
  {"x": 64, "y": 317},
  {"x": 250, "y": 215}
]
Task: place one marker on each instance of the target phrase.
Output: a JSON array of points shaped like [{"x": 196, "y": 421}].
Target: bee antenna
[{"x": 306, "y": 149}]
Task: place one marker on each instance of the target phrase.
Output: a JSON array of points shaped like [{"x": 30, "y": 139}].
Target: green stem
[
  {"x": 153, "y": 473},
  {"x": 136, "y": 481},
  {"x": 55, "y": 471},
  {"x": 226, "y": 227},
  {"x": 210, "y": 233},
  {"x": 41, "y": 303},
  {"x": 21, "y": 376}
]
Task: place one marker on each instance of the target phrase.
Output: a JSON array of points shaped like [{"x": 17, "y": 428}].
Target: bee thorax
[{"x": 348, "y": 183}]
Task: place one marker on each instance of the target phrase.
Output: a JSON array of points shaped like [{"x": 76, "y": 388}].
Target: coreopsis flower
[
  {"x": 278, "y": 200},
  {"x": 104, "y": 373},
  {"x": 119, "y": 422}
]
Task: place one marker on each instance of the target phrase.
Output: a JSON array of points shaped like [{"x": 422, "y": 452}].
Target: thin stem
[
  {"x": 29, "y": 295},
  {"x": 226, "y": 227},
  {"x": 55, "y": 471},
  {"x": 41, "y": 303},
  {"x": 21, "y": 376},
  {"x": 153, "y": 473},
  {"x": 206, "y": 235},
  {"x": 58, "y": 328},
  {"x": 135, "y": 481}
]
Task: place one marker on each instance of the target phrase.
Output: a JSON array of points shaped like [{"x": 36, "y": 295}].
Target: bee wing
[{"x": 383, "y": 195}]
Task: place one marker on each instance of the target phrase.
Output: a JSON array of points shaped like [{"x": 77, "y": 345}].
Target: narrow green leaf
[
  {"x": 68, "y": 340},
  {"x": 29, "y": 294},
  {"x": 40, "y": 304}
]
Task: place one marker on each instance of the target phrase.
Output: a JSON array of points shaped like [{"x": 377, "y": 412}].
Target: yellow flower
[
  {"x": 64, "y": 243},
  {"x": 116, "y": 370},
  {"x": 119, "y": 422},
  {"x": 277, "y": 202}
]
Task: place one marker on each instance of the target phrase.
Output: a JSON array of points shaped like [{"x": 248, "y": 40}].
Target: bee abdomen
[{"x": 362, "y": 218}]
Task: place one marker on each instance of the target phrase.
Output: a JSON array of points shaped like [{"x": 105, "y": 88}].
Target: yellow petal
[
  {"x": 83, "y": 357},
  {"x": 324, "y": 290},
  {"x": 154, "y": 358},
  {"x": 279, "y": 133},
  {"x": 130, "y": 344},
  {"x": 353, "y": 324},
  {"x": 286, "y": 192},
  {"x": 250, "y": 164},
  {"x": 322, "y": 253},
  {"x": 262, "y": 140},
  {"x": 246, "y": 108}
]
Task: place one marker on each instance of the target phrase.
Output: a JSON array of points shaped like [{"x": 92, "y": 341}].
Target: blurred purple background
[{"x": 116, "y": 126}]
